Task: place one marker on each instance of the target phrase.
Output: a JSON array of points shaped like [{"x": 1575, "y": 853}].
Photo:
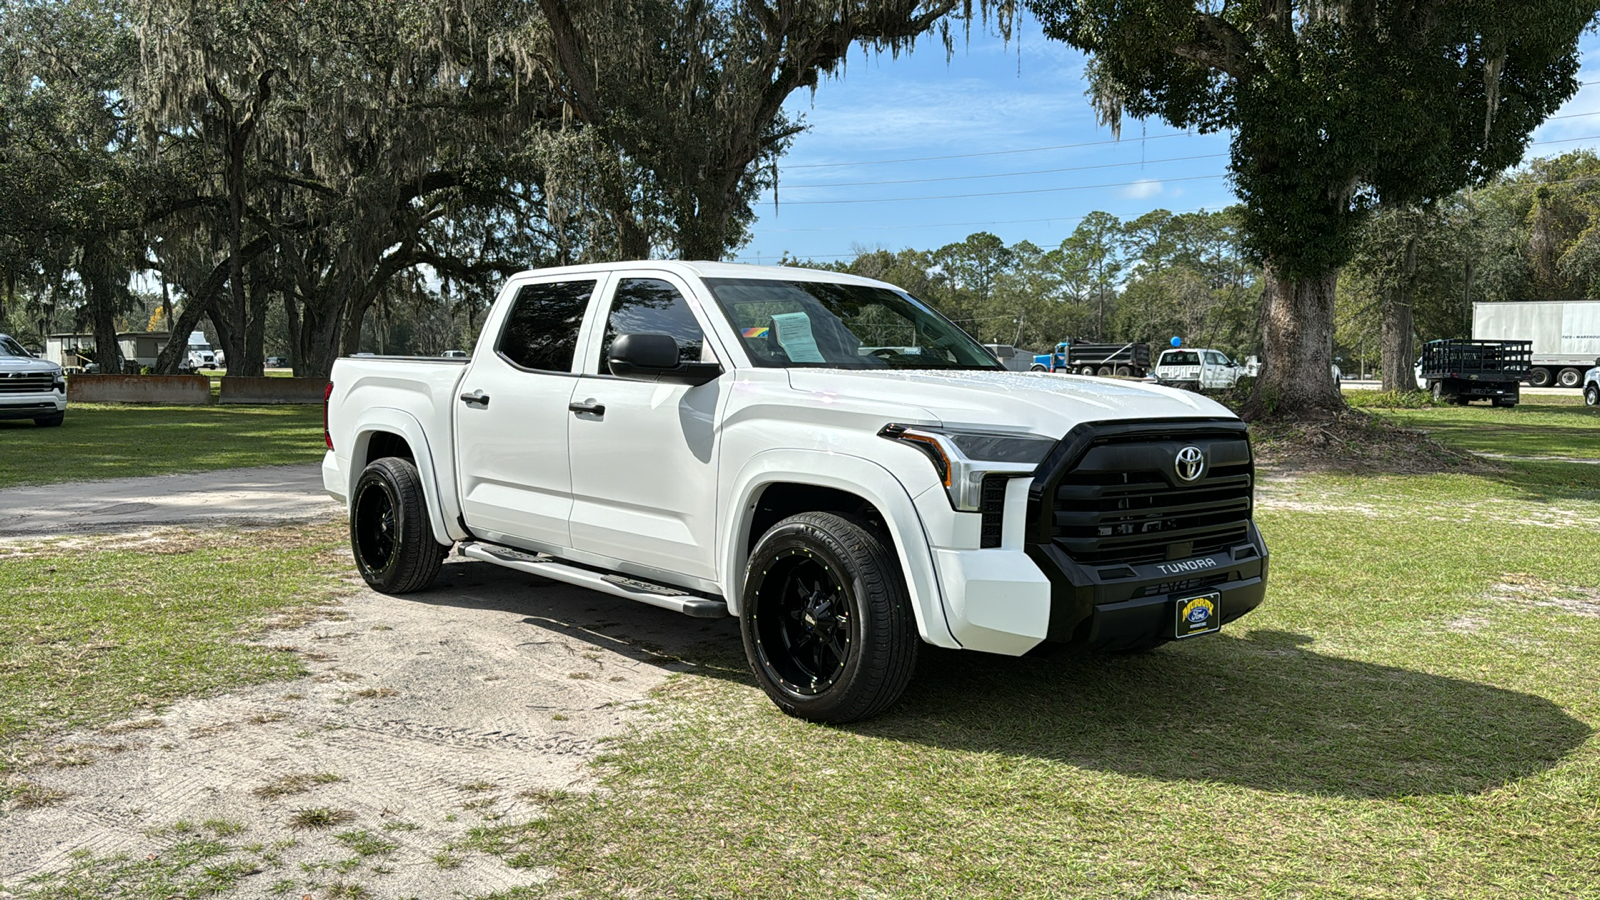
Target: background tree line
[
  {"x": 336, "y": 174},
  {"x": 1531, "y": 234}
]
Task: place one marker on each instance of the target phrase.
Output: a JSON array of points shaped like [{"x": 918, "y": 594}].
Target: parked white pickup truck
[
  {"x": 30, "y": 388},
  {"x": 1197, "y": 370},
  {"x": 821, "y": 455}
]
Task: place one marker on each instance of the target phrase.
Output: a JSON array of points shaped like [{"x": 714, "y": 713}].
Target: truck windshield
[
  {"x": 1180, "y": 358},
  {"x": 9, "y": 347},
  {"x": 785, "y": 324}
]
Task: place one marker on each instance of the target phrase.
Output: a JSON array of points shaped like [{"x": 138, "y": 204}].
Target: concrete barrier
[
  {"x": 241, "y": 389},
  {"x": 187, "y": 390}
]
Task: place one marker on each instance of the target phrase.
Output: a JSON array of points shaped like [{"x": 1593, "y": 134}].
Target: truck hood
[
  {"x": 9, "y": 364},
  {"x": 1035, "y": 402}
]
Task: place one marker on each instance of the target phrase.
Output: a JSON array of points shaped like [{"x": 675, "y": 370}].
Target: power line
[
  {"x": 1149, "y": 137},
  {"x": 1150, "y": 162},
  {"x": 1078, "y": 187},
  {"x": 885, "y": 162}
]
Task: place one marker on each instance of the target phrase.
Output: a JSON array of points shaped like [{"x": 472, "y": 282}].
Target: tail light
[{"x": 326, "y": 435}]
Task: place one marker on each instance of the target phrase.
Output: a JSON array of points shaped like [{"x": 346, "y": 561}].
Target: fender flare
[
  {"x": 386, "y": 419},
  {"x": 856, "y": 475}
]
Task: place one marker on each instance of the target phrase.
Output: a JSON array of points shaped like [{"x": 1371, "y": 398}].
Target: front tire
[
  {"x": 1591, "y": 395},
  {"x": 389, "y": 532},
  {"x": 826, "y": 619}
]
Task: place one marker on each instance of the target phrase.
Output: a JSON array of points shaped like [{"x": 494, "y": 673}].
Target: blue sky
[{"x": 873, "y": 130}]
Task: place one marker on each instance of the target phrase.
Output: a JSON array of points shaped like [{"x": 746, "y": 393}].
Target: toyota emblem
[{"x": 1190, "y": 464}]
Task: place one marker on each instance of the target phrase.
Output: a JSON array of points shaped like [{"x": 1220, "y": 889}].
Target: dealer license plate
[{"x": 1200, "y": 614}]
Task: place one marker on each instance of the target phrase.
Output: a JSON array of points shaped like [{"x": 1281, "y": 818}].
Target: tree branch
[{"x": 1218, "y": 45}]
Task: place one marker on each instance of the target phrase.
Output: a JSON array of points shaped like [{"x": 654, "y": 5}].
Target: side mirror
[{"x": 654, "y": 357}]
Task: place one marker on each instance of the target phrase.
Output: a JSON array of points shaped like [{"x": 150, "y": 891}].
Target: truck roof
[{"x": 706, "y": 269}]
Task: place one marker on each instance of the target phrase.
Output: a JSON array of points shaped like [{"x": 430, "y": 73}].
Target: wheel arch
[
  {"x": 384, "y": 432},
  {"x": 837, "y": 480}
]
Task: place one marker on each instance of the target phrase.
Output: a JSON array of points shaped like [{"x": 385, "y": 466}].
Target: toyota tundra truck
[{"x": 825, "y": 457}]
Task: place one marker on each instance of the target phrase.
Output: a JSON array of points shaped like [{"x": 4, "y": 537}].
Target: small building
[{"x": 142, "y": 347}]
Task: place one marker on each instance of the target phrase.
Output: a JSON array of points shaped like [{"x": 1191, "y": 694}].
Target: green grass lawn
[
  {"x": 118, "y": 441},
  {"x": 1538, "y": 426}
]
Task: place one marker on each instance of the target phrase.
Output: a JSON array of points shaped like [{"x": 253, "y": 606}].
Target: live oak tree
[
  {"x": 690, "y": 94},
  {"x": 73, "y": 192},
  {"x": 1334, "y": 108}
]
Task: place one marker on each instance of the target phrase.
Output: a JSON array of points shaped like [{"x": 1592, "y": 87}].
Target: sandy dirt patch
[{"x": 423, "y": 717}]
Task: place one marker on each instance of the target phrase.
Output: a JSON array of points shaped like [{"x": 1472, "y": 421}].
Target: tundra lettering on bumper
[{"x": 1125, "y": 529}]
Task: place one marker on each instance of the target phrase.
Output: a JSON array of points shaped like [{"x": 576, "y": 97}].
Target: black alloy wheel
[
  {"x": 389, "y": 531},
  {"x": 826, "y": 619},
  {"x": 805, "y": 624}
]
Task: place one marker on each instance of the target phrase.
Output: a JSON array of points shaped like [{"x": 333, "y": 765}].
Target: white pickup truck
[
  {"x": 1197, "y": 370},
  {"x": 30, "y": 388},
  {"x": 821, "y": 455}
]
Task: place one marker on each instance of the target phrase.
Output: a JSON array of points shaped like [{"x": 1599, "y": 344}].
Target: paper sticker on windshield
[{"x": 796, "y": 339}]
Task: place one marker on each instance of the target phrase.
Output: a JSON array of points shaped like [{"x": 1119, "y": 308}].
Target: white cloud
[{"x": 1144, "y": 187}]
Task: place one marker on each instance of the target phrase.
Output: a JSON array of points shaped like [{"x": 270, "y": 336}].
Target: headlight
[{"x": 963, "y": 458}]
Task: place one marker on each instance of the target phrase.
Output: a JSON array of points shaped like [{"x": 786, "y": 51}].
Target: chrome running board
[{"x": 675, "y": 599}]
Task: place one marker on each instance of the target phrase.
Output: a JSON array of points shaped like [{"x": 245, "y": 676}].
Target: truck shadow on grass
[{"x": 1262, "y": 711}]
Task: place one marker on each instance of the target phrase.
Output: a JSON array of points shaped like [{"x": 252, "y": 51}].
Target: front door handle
[
  {"x": 588, "y": 406},
  {"x": 476, "y": 398}
]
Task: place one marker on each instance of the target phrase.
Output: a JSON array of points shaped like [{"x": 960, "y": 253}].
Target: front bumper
[
  {"x": 1123, "y": 607},
  {"x": 32, "y": 406},
  {"x": 1025, "y": 588}
]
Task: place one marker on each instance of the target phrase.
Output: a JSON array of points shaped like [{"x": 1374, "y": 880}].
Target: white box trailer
[{"x": 1565, "y": 335}]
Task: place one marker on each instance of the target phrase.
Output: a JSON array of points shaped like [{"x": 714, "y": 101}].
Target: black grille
[
  {"x": 26, "y": 383},
  {"x": 1123, "y": 502},
  {"x": 993, "y": 508}
]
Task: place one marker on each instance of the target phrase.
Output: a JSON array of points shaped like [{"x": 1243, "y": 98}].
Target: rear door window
[{"x": 541, "y": 331}]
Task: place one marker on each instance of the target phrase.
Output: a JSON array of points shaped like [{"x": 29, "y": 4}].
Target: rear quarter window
[{"x": 541, "y": 331}]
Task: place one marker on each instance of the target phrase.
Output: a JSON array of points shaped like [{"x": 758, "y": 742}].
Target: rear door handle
[
  {"x": 476, "y": 398},
  {"x": 588, "y": 406}
]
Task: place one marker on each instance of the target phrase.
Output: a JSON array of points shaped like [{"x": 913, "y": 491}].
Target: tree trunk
[
  {"x": 1297, "y": 347},
  {"x": 177, "y": 348},
  {"x": 255, "y": 330},
  {"x": 102, "y": 308},
  {"x": 291, "y": 313},
  {"x": 1398, "y": 374}
]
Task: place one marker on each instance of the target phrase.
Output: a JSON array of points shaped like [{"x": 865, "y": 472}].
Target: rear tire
[
  {"x": 50, "y": 421},
  {"x": 826, "y": 619},
  {"x": 1540, "y": 378},
  {"x": 1440, "y": 395},
  {"x": 1124, "y": 371},
  {"x": 1569, "y": 377},
  {"x": 389, "y": 531}
]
